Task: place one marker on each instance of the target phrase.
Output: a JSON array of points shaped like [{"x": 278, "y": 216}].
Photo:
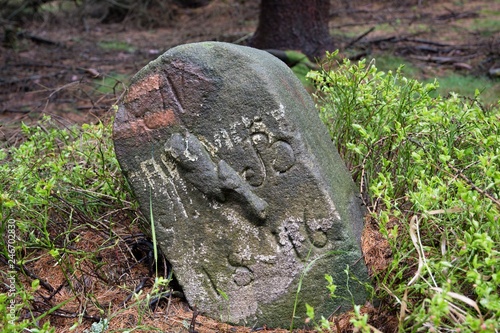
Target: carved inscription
[{"x": 216, "y": 142}]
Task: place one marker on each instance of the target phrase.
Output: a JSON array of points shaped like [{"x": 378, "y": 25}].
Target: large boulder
[{"x": 249, "y": 197}]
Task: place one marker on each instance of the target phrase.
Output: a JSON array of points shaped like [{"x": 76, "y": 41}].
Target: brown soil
[{"x": 60, "y": 66}]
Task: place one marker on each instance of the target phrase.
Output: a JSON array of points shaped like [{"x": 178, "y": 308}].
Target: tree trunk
[{"x": 294, "y": 25}]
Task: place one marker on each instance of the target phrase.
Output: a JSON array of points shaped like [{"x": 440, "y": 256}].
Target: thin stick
[
  {"x": 357, "y": 39},
  {"x": 468, "y": 181}
]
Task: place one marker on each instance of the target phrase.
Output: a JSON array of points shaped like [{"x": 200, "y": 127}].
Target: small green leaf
[
  {"x": 309, "y": 311},
  {"x": 35, "y": 284},
  {"x": 223, "y": 294}
]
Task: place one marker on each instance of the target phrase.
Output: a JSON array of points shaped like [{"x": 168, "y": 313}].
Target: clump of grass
[{"x": 429, "y": 171}]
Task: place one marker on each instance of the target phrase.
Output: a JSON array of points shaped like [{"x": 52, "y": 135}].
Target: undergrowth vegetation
[
  {"x": 429, "y": 170},
  {"x": 67, "y": 217}
]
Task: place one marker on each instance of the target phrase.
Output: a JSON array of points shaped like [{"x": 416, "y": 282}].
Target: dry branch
[
  {"x": 357, "y": 39},
  {"x": 37, "y": 39}
]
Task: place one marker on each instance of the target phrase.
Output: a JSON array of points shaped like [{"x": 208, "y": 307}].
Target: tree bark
[{"x": 294, "y": 25}]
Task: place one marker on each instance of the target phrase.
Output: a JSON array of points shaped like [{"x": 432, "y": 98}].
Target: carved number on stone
[{"x": 279, "y": 155}]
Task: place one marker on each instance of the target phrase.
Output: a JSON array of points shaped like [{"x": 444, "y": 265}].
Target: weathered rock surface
[{"x": 246, "y": 189}]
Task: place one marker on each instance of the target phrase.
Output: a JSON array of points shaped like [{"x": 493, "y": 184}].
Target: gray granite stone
[{"x": 247, "y": 191}]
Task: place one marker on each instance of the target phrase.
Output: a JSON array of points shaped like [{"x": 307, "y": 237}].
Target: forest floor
[{"x": 74, "y": 67}]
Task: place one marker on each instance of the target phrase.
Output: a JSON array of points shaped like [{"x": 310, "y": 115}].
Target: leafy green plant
[
  {"x": 55, "y": 187},
  {"x": 387, "y": 62},
  {"x": 9, "y": 307},
  {"x": 65, "y": 207},
  {"x": 323, "y": 325},
  {"x": 359, "y": 321},
  {"x": 428, "y": 168}
]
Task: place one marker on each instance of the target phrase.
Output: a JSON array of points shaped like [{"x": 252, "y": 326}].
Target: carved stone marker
[{"x": 249, "y": 196}]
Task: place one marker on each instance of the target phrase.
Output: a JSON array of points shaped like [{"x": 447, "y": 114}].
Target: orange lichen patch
[
  {"x": 134, "y": 127},
  {"x": 143, "y": 87},
  {"x": 159, "y": 119},
  {"x": 128, "y": 129}
]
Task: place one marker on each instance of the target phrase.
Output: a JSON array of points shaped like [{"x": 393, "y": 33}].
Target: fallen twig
[
  {"x": 155, "y": 301},
  {"x": 456, "y": 16},
  {"x": 424, "y": 41},
  {"x": 15, "y": 111},
  {"x": 139, "y": 287},
  {"x": 474, "y": 187},
  {"x": 47, "y": 299},
  {"x": 192, "y": 325},
  {"x": 38, "y": 39},
  {"x": 436, "y": 59},
  {"x": 68, "y": 314},
  {"x": 357, "y": 39}
]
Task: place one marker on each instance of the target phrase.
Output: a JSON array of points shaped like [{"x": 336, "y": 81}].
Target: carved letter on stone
[{"x": 248, "y": 193}]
